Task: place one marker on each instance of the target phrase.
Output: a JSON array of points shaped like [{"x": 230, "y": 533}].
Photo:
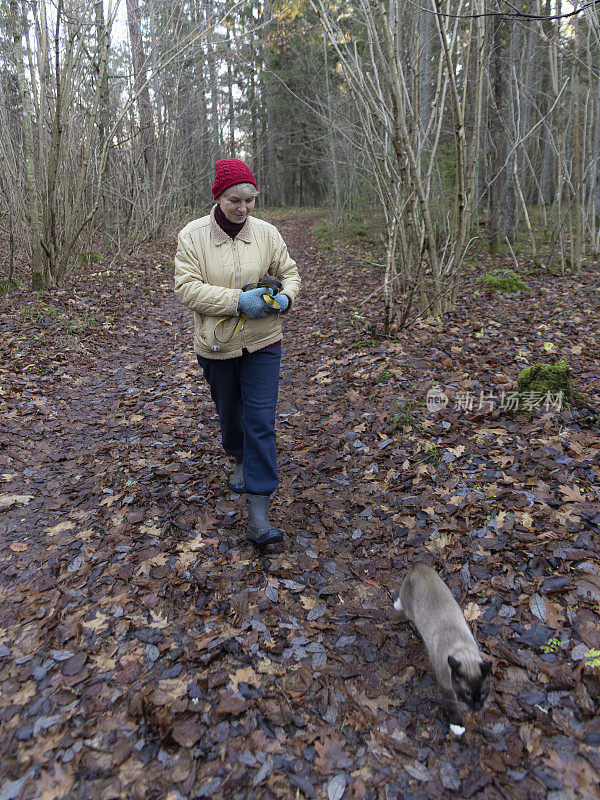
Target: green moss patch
[
  {"x": 7, "y": 284},
  {"x": 547, "y": 383},
  {"x": 502, "y": 281},
  {"x": 89, "y": 257}
]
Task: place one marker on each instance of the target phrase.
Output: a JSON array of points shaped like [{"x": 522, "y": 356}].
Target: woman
[{"x": 237, "y": 331}]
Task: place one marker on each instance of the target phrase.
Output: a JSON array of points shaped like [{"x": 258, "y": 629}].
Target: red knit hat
[{"x": 229, "y": 171}]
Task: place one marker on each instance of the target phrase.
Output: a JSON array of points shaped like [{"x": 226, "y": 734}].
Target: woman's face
[{"x": 236, "y": 205}]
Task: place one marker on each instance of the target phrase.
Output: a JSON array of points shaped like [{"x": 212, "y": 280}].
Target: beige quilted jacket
[{"x": 210, "y": 270}]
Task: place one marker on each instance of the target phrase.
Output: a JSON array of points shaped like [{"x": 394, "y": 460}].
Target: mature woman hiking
[{"x": 221, "y": 260}]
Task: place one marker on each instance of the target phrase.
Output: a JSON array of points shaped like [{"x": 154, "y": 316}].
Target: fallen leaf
[
  {"x": 62, "y": 527},
  {"x": 526, "y": 519},
  {"x": 449, "y": 776},
  {"x": 316, "y": 613},
  {"x": 374, "y": 703},
  {"x": 472, "y": 611},
  {"x": 74, "y": 664},
  {"x": 10, "y": 500},
  {"x": 56, "y": 784},
  {"x": 331, "y": 755},
  {"x": 537, "y": 607},
  {"x": 531, "y": 738},
  {"x": 231, "y": 705},
  {"x": 268, "y": 667},
  {"x": 244, "y": 675},
  {"x": 263, "y": 772},
  {"x": 572, "y": 494},
  {"x": 336, "y": 787},
  {"x": 187, "y": 733},
  {"x": 418, "y": 771},
  {"x": 272, "y": 594}
]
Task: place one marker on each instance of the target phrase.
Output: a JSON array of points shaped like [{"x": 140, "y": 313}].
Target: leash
[{"x": 264, "y": 283}]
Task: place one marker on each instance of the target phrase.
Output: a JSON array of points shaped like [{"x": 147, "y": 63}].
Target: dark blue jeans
[{"x": 244, "y": 391}]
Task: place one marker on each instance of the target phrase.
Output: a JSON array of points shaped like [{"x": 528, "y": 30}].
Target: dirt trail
[{"x": 147, "y": 651}]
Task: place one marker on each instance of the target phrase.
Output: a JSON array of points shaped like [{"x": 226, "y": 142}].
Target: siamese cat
[{"x": 460, "y": 671}]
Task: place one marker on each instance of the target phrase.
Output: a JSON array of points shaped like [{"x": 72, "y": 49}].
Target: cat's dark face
[{"x": 471, "y": 688}]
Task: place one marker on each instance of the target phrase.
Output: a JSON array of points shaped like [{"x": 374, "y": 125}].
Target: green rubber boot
[
  {"x": 259, "y": 530},
  {"x": 236, "y": 482}
]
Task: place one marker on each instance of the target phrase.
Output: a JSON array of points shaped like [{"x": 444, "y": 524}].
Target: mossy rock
[
  {"x": 547, "y": 381},
  {"x": 502, "y": 281}
]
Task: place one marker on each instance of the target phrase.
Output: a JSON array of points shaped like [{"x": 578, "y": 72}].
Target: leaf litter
[{"x": 147, "y": 651}]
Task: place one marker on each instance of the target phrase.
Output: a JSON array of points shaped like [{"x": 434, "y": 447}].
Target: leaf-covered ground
[{"x": 146, "y": 651}]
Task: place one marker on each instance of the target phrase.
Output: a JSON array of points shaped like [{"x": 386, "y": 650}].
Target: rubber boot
[
  {"x": 236, "y": 482},
  {"x": 259, "y": 531}
]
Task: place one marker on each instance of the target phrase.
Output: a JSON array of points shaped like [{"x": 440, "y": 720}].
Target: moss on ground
[
  {"x": 502, "y": 281},
  {"x": 547, "y": 380}
]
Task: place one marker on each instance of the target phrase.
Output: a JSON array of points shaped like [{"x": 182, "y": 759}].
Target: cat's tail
[{"x": 398, "y": 605}]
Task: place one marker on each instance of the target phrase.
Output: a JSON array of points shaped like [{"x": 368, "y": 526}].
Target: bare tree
[{"x": 426, "y": 231}]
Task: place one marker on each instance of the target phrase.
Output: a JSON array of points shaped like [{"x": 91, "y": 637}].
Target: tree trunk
[
  {"x": 577, "y": 171},
  {"x": 138, "y": 58},
  {"x": 254, "y": 110},
  {"x": 548, "y": 150},
  {"x": 231, "y": 105},
  {"x": 337, "y": 205},
  {"x": 426, "y": 80},
  {"x": 102, "y": 37},
  {"x": 273, "y": 197},
  {"x": 33, "y": 210},
  {"x": 509, "y": 192},
  {"x": 496, "y": 136}
]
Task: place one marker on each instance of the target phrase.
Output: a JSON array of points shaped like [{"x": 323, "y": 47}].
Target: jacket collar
[{"x": 219, "y": 236}]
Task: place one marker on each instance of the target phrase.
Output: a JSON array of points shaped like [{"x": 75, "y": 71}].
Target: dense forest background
[{"x": 440, "y": 123}]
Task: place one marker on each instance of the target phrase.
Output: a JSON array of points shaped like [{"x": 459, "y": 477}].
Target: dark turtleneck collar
[{"x": 231, "y": 228}]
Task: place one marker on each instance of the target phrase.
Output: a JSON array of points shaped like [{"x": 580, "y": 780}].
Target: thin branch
[{"x": 515, "y": 14}]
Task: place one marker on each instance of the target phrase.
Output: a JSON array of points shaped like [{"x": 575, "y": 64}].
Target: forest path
[{"x": 147, "y": 651}]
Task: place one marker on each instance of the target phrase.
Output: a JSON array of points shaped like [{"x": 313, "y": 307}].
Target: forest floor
[{"x": 147, "y": 651}]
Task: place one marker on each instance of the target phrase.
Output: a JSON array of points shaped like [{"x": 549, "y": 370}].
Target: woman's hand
[
  {"x": 283, "y": 301},
  {"x": 251, "y": 303}
]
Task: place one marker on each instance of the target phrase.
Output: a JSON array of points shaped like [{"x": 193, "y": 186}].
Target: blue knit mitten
[
  {"x": 283, "y": 300},
  {"x": 251, "y": 303}
]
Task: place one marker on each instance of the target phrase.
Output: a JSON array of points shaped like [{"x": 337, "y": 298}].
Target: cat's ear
[
  {"x": 486, "y": 668},
  {"x": 454, "y": 663}
]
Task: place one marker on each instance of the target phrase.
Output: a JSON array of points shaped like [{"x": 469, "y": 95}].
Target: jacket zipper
[{"x": 238, "y": 280}]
